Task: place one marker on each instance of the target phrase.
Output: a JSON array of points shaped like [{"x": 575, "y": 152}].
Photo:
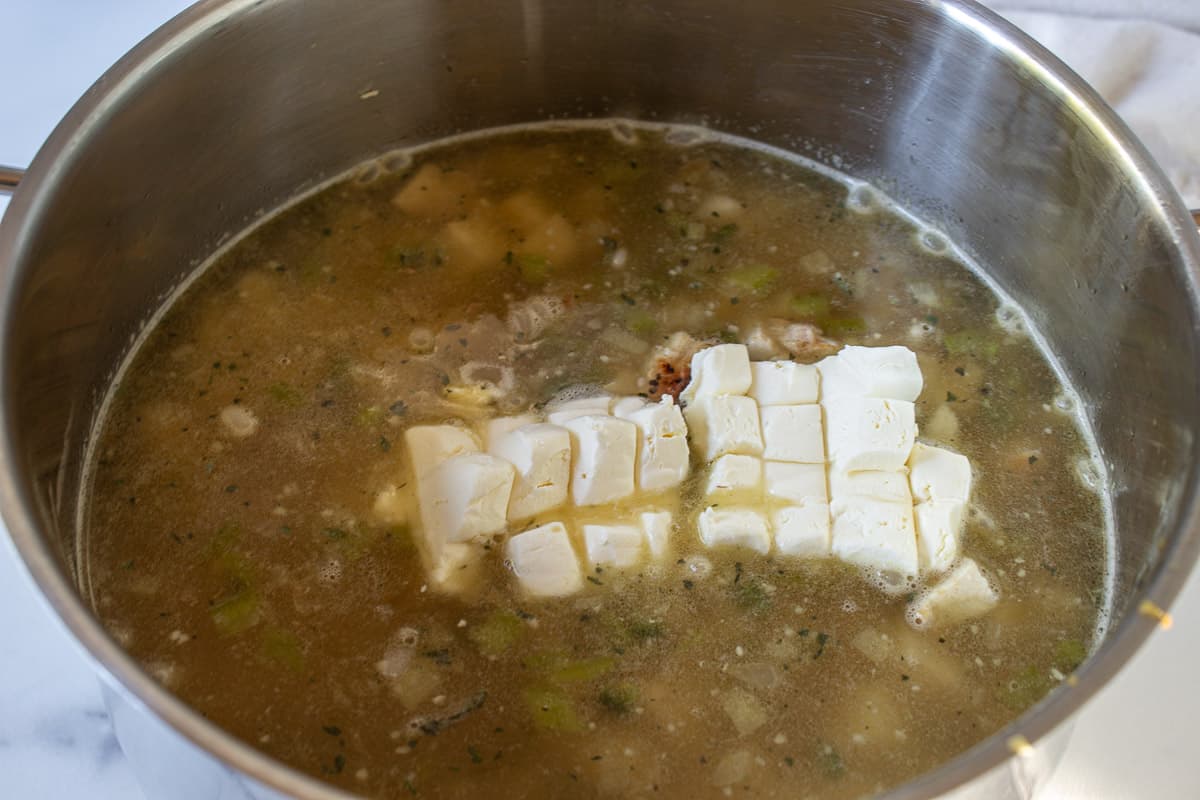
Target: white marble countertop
[{"x": 1137, "y": 739}]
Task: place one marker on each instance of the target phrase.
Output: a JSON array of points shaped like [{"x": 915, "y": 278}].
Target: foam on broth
[{"x": 253, "y": 577}]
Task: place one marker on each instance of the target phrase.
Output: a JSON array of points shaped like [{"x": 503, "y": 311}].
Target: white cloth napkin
[{"x": 1143, "y": 65}]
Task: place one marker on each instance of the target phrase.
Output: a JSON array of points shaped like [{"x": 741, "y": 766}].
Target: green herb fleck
[
  {"x": 551, "y": 709},
  {"x": 620, "y": 698},
  {"x": 473, "y": 752},
  {"x": 497, "y": 633}
]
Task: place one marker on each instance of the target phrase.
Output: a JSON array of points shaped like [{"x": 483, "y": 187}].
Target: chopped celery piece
[
  {"x": 551, "y": 709},
  {"x": 285, "y": 394},
  {"x": 810, "y": 305},
  {"x": 971, "y": 342},
  {"x": 237, "y": 613},
  {"x": 498, "y": 633},
  {"x": 370, "y": 416},
  {"x": 620, "y": 698},
  {"x": 588, "y": 669},
  {"x": 840, "y": 326},
  {"x": 755, "y": 278},
  {"x": 1069, "y": 654},
  {"x": 640, "y": 322},
  {"x": 284, "y": 647},
  {"x": 533, "y": 269}
]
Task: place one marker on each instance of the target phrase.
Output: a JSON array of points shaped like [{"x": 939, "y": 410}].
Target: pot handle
[{"x": 9, "y": 178}]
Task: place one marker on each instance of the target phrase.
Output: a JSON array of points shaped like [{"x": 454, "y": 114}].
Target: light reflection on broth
[{"x": 234, "y": 542}]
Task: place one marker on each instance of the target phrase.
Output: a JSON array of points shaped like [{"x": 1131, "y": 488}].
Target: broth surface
[{"x": 255, "y": 577}]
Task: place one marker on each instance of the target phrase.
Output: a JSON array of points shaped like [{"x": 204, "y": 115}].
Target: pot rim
[{"x": 123, "y": 672}]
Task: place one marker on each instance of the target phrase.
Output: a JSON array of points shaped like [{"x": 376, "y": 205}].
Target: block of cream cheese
[
  {"x": 617, "y": 546},
  {"x": 793, "y": 433},
  {"x": 876, "y": 484},
  {"x": 795, "y": 483},
  {"x": 963, "y": 594},
  {"x": 465, "y": 498},
  {"x": 723, "y": 369},
  {"x": 430, "y": 445},
  {"x": 735, "y": 478},
  {"x": 624, "y": 406},
  {"x": 938, "y": 474},
  {"x": 741, "y": 527},
  {"x": 662, "y": 460},
  {"x": 541, "y": 454},
  {"x": 454, "y": 567},
  {"x": 656, "y": 525},
  {"x": 876, "y": 535},
  {"x": 494, "y": 429},
  {"x": 939, "y": 525},
  {"x": 783, "y": 383},
  {"x": 888, "y": 372},
  {"x": 544, "y": 561},
  {"x": 720, "y": 424},
  {"x": 838, "y": 380},
  {"x": 865, "y": 433},
  {"x": 802, "y": 530},
  {"x": 603, "y": 456},
  {"x": 559, "y": 413}
]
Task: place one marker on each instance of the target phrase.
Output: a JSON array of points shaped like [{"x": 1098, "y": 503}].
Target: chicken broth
[{"x": 251, "y": 536}]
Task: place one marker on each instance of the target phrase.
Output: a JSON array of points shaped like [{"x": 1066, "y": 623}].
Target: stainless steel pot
[{"x": 237, "y": 105}]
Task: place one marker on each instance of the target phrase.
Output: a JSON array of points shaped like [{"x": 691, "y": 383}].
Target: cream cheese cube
[
  {"x": 939, "y": 523},
  {"x": 656, "y": 525},
  {"x": 869, "y": 433},
  {"x": 544, "y": 561},
  {"x": 783, "y": 383},
  {"x": 541, "y": 454},
  {"x": 561, "y": 413},
  {"x": 603, "y": 455},
  {"x": 721, "y": 424},
  {"x": 455, "y": 567},
  {"x": 466, "y": 498},
  {"x": 617, "y": 546},
  {"x": 795, "y": 483},
  {"x": 838, "y": 380},
  {"x": 723, "y": 369},
  {"x": 793, "y": 433},
  {"x": 891, "y": 487},
  {"x": 662, "y": 461},
  {"x": 430, "y": 445},
  {"x": 740, "y": 527},
  {"x": 735, "y": 477},
  {"x": 937, "y": 474},
  {"x": 875, "y": 535},
  {"x": 963, "y": 594},
  {"x": 624, "y": 406},
  {"x": 887, "y": 372},
  {"x": 495, "y": 429},
  {"x": 802, "y": 530}
]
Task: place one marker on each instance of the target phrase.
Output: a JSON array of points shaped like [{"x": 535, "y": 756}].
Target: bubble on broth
[
  {"x": 933, "y": 242},
  {"x": 398, "y": 161},
  {"x": 1011, "y": 319},
  {"x": 421, "y": 340},
  {"x": 580, "y": 391},
  {"x": 862, "y": 199},
  {"x": 625, "y": 133},
  {"x": 698, "y": 566},
  {"x": 330, "y": 571},
  {"x": 1064, "y": 403},
  {"x": 368, "y": 173},
  {"x": 1089, "y": 473},
  {"x": 685, "y": 137}
]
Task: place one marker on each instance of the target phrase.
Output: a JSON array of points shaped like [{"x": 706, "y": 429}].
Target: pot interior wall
[{"x": 233, "y": 118}]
